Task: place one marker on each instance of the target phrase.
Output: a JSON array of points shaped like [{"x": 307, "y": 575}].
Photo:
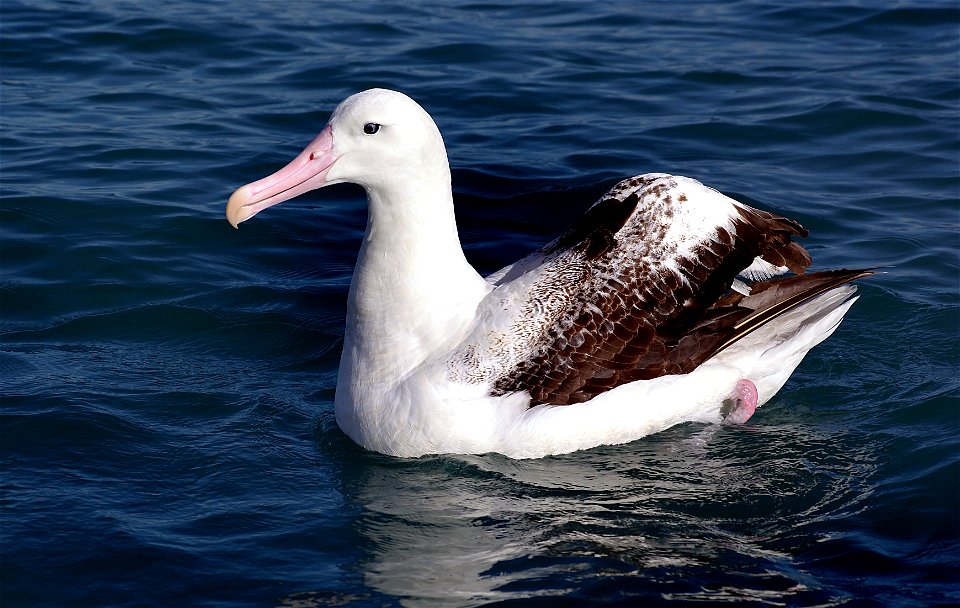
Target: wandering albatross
[{"x": 659, "y": 306}]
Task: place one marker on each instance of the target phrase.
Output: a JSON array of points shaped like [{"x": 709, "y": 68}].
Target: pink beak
[{"x": 306, "y": 172}]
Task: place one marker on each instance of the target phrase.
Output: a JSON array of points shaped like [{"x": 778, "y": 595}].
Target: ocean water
[{"x": 167, "y": 432}]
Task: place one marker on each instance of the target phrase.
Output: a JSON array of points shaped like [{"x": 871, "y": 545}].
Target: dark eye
[{"x": 371, "y": 127}]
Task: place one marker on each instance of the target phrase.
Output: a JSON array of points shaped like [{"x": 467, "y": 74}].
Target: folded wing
[{"x": 639, "y": 288}]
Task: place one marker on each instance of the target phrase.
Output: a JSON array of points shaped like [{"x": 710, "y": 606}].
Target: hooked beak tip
[{"x": 236, "y": 209}]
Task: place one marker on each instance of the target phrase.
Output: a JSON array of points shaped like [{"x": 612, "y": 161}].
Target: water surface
[{"x": 167, "y": 433}]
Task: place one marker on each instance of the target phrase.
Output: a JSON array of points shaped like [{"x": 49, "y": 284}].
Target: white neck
[{"x": 413, "y": 291}]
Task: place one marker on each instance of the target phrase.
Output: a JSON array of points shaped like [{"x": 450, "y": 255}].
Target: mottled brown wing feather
[
  {"x": 641, "y": 320},
  {"x": 780, "y": 250}
]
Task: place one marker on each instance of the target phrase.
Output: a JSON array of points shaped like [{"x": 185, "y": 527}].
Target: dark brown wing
[
  {"x": 737, "y": 315},
  {"x": 641, "y": 282}
]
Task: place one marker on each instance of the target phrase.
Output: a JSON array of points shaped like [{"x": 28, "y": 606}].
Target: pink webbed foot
[{"x": 741, "y": 404}]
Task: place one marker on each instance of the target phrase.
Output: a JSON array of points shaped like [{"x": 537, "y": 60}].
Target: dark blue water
[{"x": 167, "y": 382}]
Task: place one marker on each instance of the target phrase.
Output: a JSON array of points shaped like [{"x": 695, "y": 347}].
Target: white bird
[{"x": 632, "y": 321}]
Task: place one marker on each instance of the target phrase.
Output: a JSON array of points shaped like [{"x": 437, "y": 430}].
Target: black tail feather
[{"x": 771, "y": 299}]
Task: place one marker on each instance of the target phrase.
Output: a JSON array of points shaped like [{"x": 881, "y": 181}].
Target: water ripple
[{"x": 168, "y": 382}]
